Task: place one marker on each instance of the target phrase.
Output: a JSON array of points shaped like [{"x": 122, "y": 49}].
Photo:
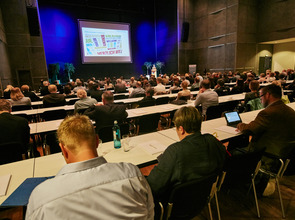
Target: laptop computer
[{"x": 232, "y": 119}]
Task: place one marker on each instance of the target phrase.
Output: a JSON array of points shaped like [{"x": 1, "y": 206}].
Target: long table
[{"x": 49, "y": 165}]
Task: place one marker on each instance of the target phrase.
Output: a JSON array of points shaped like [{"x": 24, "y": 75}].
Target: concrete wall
[
  {"x": 25, "y": 52},
  {"x": 283, "y": 56},
  {"x": 5, "y": 71}
]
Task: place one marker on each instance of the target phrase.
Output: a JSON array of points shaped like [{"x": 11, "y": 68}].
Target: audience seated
[
  {"x": 206, "y": 97},
  {"x": 137, "y": 91},
  {"x": 18, "y": 98},
  {"x": 195, "y": 156},
  {"x": 120, "y": 87},
  {"x": 174, "y": 87},
  {"x": 79, "y": 86},
  {"x": 88, "y": 187},
  {"x": 84, "y": 102},
  {"x": 220, "y": 89},
  {"x": 273, "y": 127},
  {"x": 95, "y": 92},
  {"x": 254, "y": 94},
  {"x": 27, "y": 93},
  {"x": 160, "y": 88},
  {"x": 53, "y": 99},
  {"x": 262, "y": 78},
  {"x": 105, "y": 114},
  {"x": 239, "y": 87},
  {"x": 185, "y": 94},
  {"x": 68, "y": 92},
  {"x": 196, "y": 85},
  {"x": 148, "y": 100},
  {"x": 7, "y": 91},
  {"x": 13, "y": 128},
  {"x": 44, "y": 89}
]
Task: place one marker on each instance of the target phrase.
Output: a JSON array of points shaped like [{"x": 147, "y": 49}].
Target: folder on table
[{"x": 20, "y": 197}]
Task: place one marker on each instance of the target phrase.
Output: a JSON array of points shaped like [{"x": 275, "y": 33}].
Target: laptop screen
[{"x": 232, "y": 117}]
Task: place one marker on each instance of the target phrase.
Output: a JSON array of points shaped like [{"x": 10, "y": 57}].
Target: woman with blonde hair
[{"x": 17, "y": 97}]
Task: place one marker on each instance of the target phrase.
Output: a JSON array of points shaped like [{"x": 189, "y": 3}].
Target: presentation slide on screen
[{"x": 103, "y": 42}]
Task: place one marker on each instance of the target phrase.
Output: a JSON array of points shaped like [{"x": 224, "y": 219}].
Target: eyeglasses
[{"x": 262, "y": 95}]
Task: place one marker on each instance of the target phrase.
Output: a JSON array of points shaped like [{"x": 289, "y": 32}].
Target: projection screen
[{"x": 104, "y": 42}]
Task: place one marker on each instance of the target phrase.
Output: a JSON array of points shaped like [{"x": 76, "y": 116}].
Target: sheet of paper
[
  {"x": 153, "y": 147},
  {"x": 228, "y": 129},
  {"x": 4, "y": 182}
]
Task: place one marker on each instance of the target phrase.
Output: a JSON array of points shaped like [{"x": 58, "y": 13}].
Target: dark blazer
[
  {"x": 96, "y": 94},
  {"x": 105, "y": 115},
  {"x": 120, "y": 88},
  {"x": 54, "y": 99},
  {"x": 194, "y": 157},
  {"x": 14, "y": 129},
  {"x": 44, "y": 91},
  {"x": 146, "y": 101},
  {"x": 32, "y": 96},
  {"x": 273, "y": 129}
]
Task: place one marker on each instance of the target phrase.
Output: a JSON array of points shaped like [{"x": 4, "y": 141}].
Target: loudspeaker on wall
[
  {"x": 33, "y": 21},
  {"x": 185, "y": 32}
]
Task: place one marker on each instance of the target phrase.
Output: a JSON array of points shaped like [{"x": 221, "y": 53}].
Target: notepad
[
  {"x": 4, "y": 183},
  {"x": 153, "y": 147}
]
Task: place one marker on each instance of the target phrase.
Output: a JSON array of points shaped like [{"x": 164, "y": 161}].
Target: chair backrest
[
  {"x": 11, "y": 152},
  {"x": 51, "y": 140},
  {"x": 162, "y": 100},
  {"x": 106, "y": 133},
  {"x": 188, "y": 199},
  {"x": 54, "y": 114},
  {"x": 175, "y": 91},
  {"x": 139, "y": 95},
  {"x": 21, "y": 107},
  {"x": 241, "y": 168},
  {"x": 72, "y": 101},
  {"x": 117, "y": 97},
  {"x": 214, "y": 112},
  {"x": 148, "y": 123}
]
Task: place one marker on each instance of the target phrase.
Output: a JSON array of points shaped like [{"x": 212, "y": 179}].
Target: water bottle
[{"x": 116, "y": 135}]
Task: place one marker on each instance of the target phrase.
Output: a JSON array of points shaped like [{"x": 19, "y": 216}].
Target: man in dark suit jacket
[
  {"x": 13, "y": 128},
  {"x": 105, "y": 115},
  {"x": 274, "y": 127},
  {"x": 53, "y": 99}
]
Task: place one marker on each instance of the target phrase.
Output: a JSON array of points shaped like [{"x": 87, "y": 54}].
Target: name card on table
[{"x": 153, "y": 147}]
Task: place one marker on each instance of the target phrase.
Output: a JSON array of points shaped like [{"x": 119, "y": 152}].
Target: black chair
[
  {"x": 122, "y": 96},
  {"x": 162, "y": 100},
  {"x": 278, "y": 171},
  {"x": 11, "y": 152},
  {"x": 147, "y": 123},
  {"x": 139, "y": 95},
  {"x": 54, "y": 115},
  {"x": 106, "y": 133},
  {"x": 241, "y": 169},
  {"x": 81, "y": 111},
  {"x": 175, "y": 91},
  {"x": 72, "y": 101},
  {"x": 214, "y": 112},
  {"x": 21, "y": 107},
  {"x": 188, "y": 199},
  {"x": 52, "y": 142}
]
